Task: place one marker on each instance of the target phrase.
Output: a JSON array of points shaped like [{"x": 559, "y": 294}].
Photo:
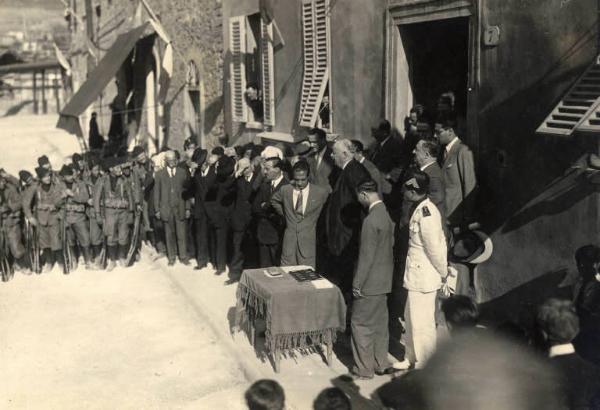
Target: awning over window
[{"x": 98, "y": 79}]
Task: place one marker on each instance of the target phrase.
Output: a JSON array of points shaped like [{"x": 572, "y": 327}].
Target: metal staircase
[{"x": 579, "y": 109}]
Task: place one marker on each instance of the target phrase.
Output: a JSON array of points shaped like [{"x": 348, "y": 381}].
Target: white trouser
[{"x": 420, "y": 336}]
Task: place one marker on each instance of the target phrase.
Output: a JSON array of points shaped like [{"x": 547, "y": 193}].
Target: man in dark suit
[
  {"x": 391, "y": 160},
  {"x": 580, "y": 380},
  {"x": 219, "y": 200},
  {"x": 170, "y": 185},
  {"x": 241, "y": 216},
  {"x": 426, "y": 153},
  {"x": 269, "y": 224},
  {"x": 300, "y": 203},
  {"x": 198, "y": 192},
  {"x": 344, "y": 214},
  {"x": 383, "y": 186},
  {"x": 458, "y": 170},
  {"x": 370, "y": 286},
  {"x": 320, "y": 162}
]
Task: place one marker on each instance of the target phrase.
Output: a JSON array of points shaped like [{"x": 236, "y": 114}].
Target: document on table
[{"x": 322, "y": 284}]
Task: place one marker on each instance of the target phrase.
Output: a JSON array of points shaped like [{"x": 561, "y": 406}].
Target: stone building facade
[{"x": 194, "y": 102}]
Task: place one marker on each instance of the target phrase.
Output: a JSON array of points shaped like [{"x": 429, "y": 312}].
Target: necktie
[{"x": 298, "y": 207}]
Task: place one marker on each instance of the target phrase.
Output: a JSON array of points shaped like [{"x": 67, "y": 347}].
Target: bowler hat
[
  {"x": 199, "y": 156},
  {"x": 226, "y": 166},
  {"x": 471, "y": 247}
]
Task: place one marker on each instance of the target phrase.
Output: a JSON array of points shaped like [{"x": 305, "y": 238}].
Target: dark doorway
[{"x": 437, "y": 53}]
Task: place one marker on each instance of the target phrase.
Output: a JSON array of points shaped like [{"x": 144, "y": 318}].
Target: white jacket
[{"x": 426, "y": 263}]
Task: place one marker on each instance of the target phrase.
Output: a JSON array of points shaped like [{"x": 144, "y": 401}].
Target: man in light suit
[
  {"x": 169, "y": 186},
  {"x": 370, "y": 286},
  {"x": 300, "y": 204},
  {"x": 426, "y": 268},
  {"x": 458, "y": 170}
]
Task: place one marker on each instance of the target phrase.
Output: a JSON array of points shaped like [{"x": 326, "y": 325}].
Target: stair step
[
  {"x": 584, "y": 95},
  {"x": 554, "y": 131},
  {"x": 588, "y": 87}
]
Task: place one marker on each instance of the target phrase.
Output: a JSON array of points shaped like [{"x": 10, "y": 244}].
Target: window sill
[
  {"x": 277, "y": 136},
  {"x": 254, "y": 125}
]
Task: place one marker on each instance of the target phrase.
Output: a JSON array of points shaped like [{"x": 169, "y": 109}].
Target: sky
[{"x": 38, "y": 14}]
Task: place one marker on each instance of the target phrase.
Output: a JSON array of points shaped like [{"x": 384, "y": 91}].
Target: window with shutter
[
  {"x": 268, "y": 81},
  {"x": 237, "y": 71},
  {"x": 315, "y": 84}
]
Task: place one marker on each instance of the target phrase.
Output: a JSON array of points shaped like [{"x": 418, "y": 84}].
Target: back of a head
[
  {"x": 477, "y": 371},
  {"x": 332, "y": 398},
  {"x": 265, "y": 395},
  {"x": 558, "y": 320},
  {"x": 460, "y": 312}
]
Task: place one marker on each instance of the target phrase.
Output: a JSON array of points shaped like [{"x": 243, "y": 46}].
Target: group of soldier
[{"x": 89, "y": 210}]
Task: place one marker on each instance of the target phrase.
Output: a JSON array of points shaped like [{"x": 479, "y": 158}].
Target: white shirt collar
[
  {"x": 426, "y": 165},
  {"x": 451, "y": 143},
  {"x": 561, "y": 350},
  {"x": 277, "y": 181},
  {"x": 374, "y": 203},
  {"x": 362, "y": 160},
  {"x": 346, "y": 163}
]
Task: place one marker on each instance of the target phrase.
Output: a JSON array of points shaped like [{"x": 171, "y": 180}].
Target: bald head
[
  {"x": 171, "y": 159},
  {"x": 343, "y": 151}
]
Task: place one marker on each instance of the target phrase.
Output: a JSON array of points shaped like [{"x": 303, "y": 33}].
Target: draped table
[{"x": 297, "y": 315}]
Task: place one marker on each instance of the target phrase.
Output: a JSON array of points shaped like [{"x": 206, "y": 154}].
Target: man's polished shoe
[
  {"x": 386, "y": 371},
  {"x": 171, "y": 263},
  {"x": 199, "y": 267},
  {"x": 185, "y": 263}
]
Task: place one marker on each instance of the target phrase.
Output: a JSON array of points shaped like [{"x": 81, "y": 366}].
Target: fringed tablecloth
[{"x": 297, "y": 314}]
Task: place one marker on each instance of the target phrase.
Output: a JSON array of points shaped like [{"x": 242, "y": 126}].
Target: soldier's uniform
[
  {"x": 76, "y": 222},
  {"x": 96, "y": 234},
  {"x": 10, "y": 217},
  {"x": 426, "y": 265},
  {"x": 114, "y": 194},
  {"x": 47, "y": 201}
]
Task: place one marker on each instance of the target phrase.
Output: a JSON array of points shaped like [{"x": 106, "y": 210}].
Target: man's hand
[
  {"x": 357, "y": 293},
  {"x": 188, "y": 214},
  {"x": 138, "y": 208},
  {"x": 100, "y": 221},
  {"x": 157, "y": 214},
  {"x": 69, "y": 192},
  {"x": 90, "y": 202},
  {"x": 33, "y": 221}
]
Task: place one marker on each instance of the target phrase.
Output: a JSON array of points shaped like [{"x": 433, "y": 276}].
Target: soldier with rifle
[
  {"x": 76, "y": 224},
  {"x": 10, "y": 218},
  {"x": 42, "y": 203},
  {"x": 96, "y": 234},
  {"x": 113, "y": 193}
]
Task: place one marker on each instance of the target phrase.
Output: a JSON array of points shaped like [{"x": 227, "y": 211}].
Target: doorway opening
[{"x": 435, "y": 55}]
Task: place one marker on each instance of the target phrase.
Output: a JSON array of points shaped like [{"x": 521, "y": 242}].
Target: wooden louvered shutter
[
  {"x": 315, "y": 24},
  {"x": 237, "y": 70},
  {"x": 268, "y": 74}
]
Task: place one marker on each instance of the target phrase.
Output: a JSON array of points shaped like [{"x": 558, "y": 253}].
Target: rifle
[
  {"x": 135, "y": 237},
  {"x": 67, "y": 256},
  {"x": 33, "y": 246}
]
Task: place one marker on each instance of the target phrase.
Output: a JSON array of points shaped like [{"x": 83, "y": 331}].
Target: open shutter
[
  {"x": 268, "y": 74},
  {"x": 315, "y": 24},
  {"x": 237, "y": 71}
]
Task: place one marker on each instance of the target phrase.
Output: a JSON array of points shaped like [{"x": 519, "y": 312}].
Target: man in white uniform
[{"x": 426, "y": 268}]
